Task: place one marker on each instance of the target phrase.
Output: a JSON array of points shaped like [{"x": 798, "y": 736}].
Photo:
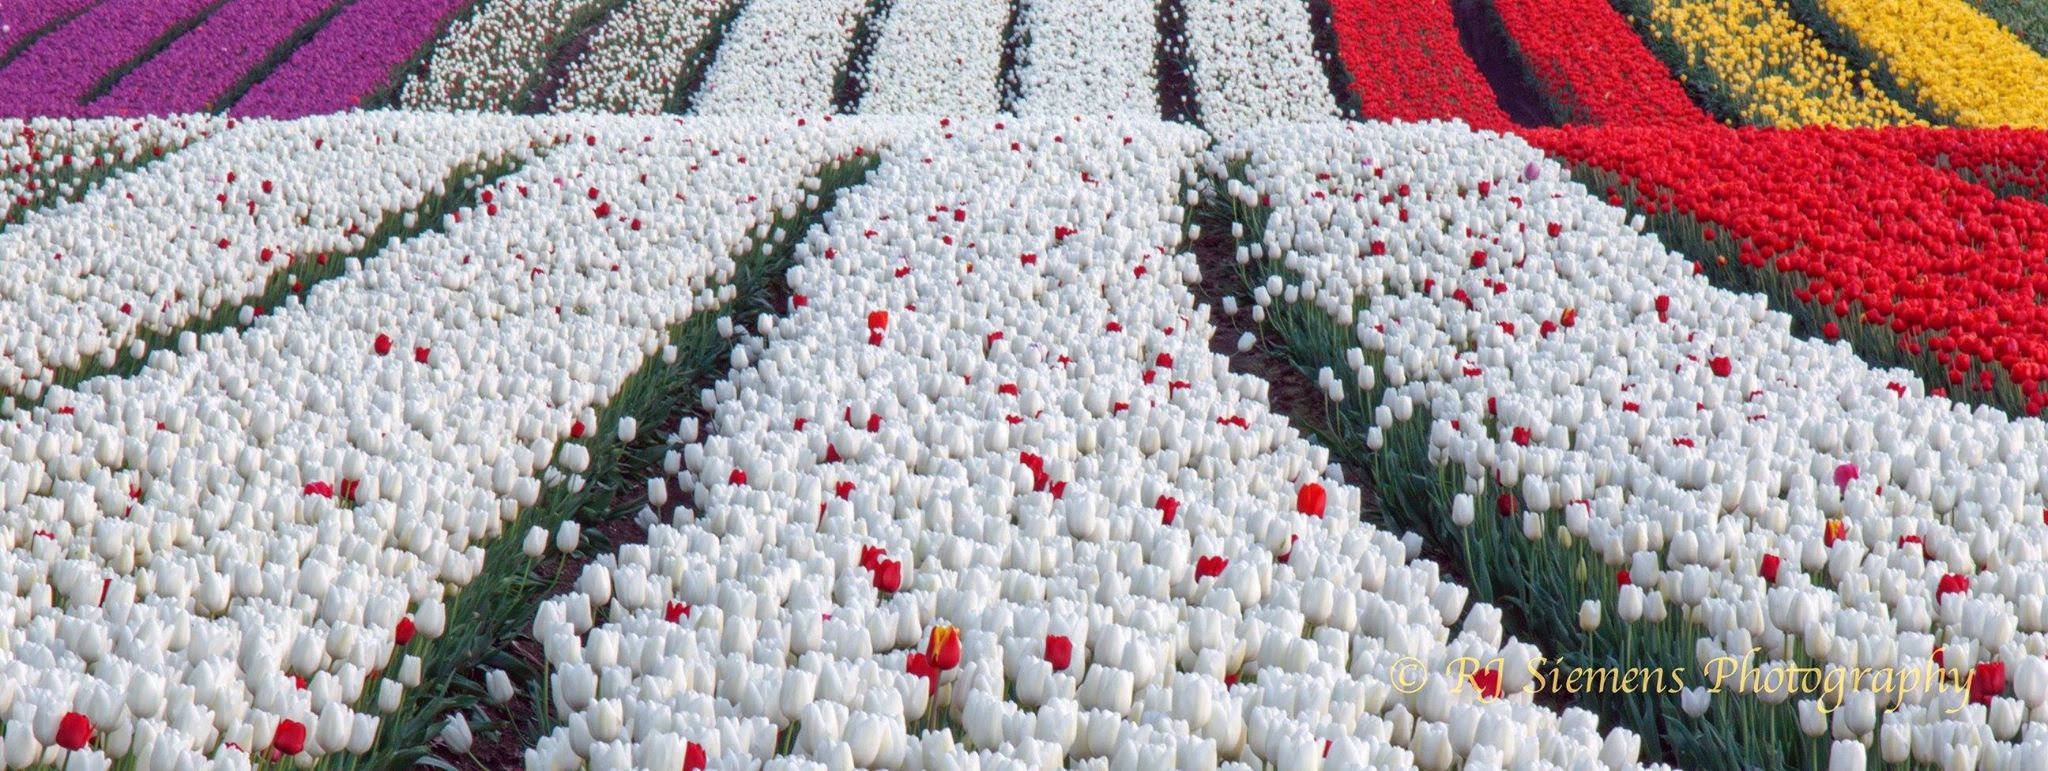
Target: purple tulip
[
  {"x": 1531, "y": 172},
  {"x": 357, "y": 53},
  {"x": 50, "y": 77},
  {"x": 203, "y": 64}
]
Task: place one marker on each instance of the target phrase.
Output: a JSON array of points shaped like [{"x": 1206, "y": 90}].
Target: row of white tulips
[
  {"x": 1254, "y": 63},
  {"x": 43, "y": 160},
  {"x": 1779, "y": 493},
  {"x": 490, "y": 60},
  {"x": 987, "y": 499},
  {"x": 781, "y": 57},
  {"x": 640, "y": 57},
  {"x": 301, "y": 498},
  {"x": 1088, "y": 57},
  {"x": 208, "y": 226},
  {"x": 936, "y": 57}
]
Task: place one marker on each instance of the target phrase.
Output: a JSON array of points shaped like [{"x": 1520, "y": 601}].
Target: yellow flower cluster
[
  {"x": 1958, "y": 61},
  {"x": 1772, "y": 70}
]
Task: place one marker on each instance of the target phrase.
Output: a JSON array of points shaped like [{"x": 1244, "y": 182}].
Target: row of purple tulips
[{"x": 82, "y": 58}]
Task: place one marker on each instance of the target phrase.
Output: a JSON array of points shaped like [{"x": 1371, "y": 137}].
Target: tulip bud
[
  {"x": 1589, "y": 615},
  {"x": 456, "y": 734},
  {"x": 568, "y": 536}
]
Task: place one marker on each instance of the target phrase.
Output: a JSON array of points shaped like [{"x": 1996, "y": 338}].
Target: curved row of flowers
[
  {"x": 782, "y": 57},
  {"x": 936, "y": 57},
  {"x": 1762, "y": 65},
  {"x": 1959, "y": 65},
  {"x": 47, "y": 161},
  {"x": 1254, "y": 62},
  {"x": 1088, "y": 57},
  {"x": 1912, "y": 264},
  {"x": 1406, "y": 63},
  {"x": 58, "y": 72},
  {"x": 237, "y": 566},
  {"x": 987, "y": 496},
  {"x": 2008, "y": 161},
  {"x": 207, "y": 227},
  {"x": 353, "y": 60},
  {"x": 643, "y": 55},
  {"x": 1586, "y": 60},
  {"x": 1607, "y": 427},
  {"x": 493, "y": 59}
]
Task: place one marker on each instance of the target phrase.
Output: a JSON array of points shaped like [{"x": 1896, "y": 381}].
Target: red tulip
[
  {"x": 1505, "y": 504},
  {"x": 74, "y": 731},
  {"x": 675, "y": 612},
  {"x": 420, "y": 354},
  {"x": 889, "y": 575},
  {"x": 1721, "y": 366},
  {"x": 693, "y": 757},
  {"x": 406, "y": 629},
  {"x": 878, "y": 320},
  {"x": 321, "y": 489},
  {"x": 290, "y": 738},
  {"x": 1833, "y": 531},
  {"x": 1487, "y": 682},
  {"x": 1769, "y": 568},
  {"x": 383, "y": 345},
  {"x": 1953, "y": 582},
  {"x": 1987, "y": 681},
  {"x": 944, "y": 647},
  {"x": 1311, "y": 499},
  {"x": 1168, "y": 506},
  {"x": 1210, "y": 566},
  {"x": 1059, "y": 651}
]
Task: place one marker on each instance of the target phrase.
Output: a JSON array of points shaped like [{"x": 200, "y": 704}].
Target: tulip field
[{"x": 971, "y": 384}]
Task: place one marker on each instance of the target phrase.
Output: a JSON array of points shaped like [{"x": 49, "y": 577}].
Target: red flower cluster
[
  {"x": 1853, "y": 227},
  {"x": 1593, "y": 67},
  {"x": 1406, "y": 64}
]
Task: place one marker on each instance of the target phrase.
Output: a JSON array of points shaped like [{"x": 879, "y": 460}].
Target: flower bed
[
  {"x": 987, "y": 492},
  {"x": 338, "y": 542},
  {"x": 781, "y": 57},
  {"x": 1958, "y": 65},
  {"x": 1582, "y": 56},
  {"x": 1754, "y": 61},
  {"x": 1914, "y": 265},
  {"x": 51, "y": 161},
  {"x": 358, "y": 56},
  {"x": 494, "y": 59},
  {"x": 29, "y": 20},
  {"x": 645, "y": 55},
  {"x": 1088, "y": 57},
  {"x": 1253, "y": 62},
  {"x": 208, "y": 63},
  {"x": 62, "y": 69},
  {"x": 1406, "y": 63},
  {"x": 135, "y": 265},
  {"x": 936, "y": 57},
  {"x": 1604, "y": 426}
]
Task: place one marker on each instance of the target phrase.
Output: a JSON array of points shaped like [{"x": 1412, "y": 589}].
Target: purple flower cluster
[
  {"x": 22, "y": 18},
  {"x": 203, "y": 64},
  {"x": 353, "y": 56},
  {"x": 52, "y": 76}
]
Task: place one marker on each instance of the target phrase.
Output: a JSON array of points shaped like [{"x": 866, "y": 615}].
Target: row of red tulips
[
  {"x": 1589, "y": 63},
  {"x": 1859, "y": 239},
  {"x": 1406, "y": 63}
]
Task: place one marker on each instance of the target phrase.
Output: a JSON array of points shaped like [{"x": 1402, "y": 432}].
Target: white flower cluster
[
  {"x": 206, "y": 227},
  {"x": 1254, "y": 63},
  {"x": 1779, "y": 493},
  {"x": 639, "y": 58},
  {"x": 492, "y": 59},
  {"x": 1088, "y": 57},
  {"x": 244, "y": 539},
  {"x": 937, "y": 57},
  {"x": 47, "y": 159},
  {"x": 781, "y": 57},
  {"x": 989, "y": 480}
]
